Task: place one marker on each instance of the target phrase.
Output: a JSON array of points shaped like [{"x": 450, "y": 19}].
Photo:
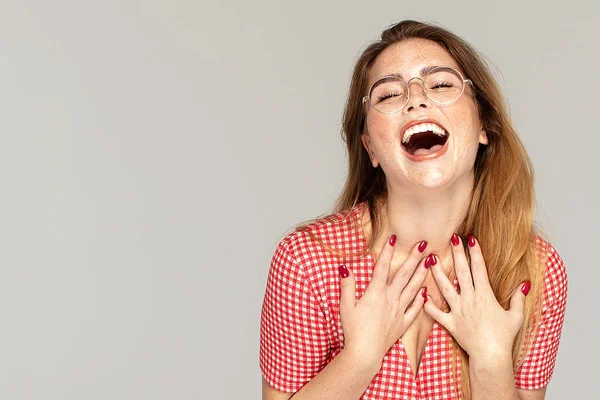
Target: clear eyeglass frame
[{"x": 407, "y": 84}]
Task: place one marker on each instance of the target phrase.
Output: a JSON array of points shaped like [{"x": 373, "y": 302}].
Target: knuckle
[
  {"x": 410, "y": 288},
  {"x": 346, "y": 284},
  {"x": 479, "y": 262},
  {"x": 446, "y": 290},
  {"x": 402, "y": 278},
  {"x": 405, "y": 272}
]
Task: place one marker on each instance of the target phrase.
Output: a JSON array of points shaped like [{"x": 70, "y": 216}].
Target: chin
[{"x": 431, "y": 179}]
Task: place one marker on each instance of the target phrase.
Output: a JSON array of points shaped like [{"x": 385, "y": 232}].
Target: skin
[
  {"x": 426, "y": 200},
  {"x": 481, "y": 326}
]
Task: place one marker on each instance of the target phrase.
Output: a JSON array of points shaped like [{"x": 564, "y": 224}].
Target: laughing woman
[{"x": 430, "y": 281}]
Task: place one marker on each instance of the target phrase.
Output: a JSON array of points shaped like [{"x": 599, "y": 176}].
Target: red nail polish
[
  {"x": 427, "y": 262},
  {"x": 393, "y": 240},
  {"x": 471, "y": 241},
  {"x": 422, "y": 246},
  {"x": 344, "y": 271},
  {"x": 424, "y": 294},
  {"x": 433, "y": 260},
  {"x": 526, "y": 287},
  {"x": 455, "y": 239}
]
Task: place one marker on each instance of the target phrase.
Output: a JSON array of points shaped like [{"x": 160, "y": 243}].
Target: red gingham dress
[{"x": 301, "y": 331}]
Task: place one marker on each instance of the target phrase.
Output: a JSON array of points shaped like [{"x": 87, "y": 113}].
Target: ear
[
  {"x": 483, "y": 139},
  {"x": 366, "y": 141}
]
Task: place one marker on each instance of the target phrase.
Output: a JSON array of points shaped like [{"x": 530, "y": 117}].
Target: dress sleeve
[
  {"x": 293, "y": 332},
  {"x": 538, "y": 366}
]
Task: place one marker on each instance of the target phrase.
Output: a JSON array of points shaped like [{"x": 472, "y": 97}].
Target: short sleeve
[
  {"x": 293, "y": 332},
  {"x": 538, "y": 366}
]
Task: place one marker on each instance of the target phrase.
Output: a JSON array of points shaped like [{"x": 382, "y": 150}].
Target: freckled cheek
[
  {"x": 464, "y": 122},
  {"x": 382, "y": 128}
]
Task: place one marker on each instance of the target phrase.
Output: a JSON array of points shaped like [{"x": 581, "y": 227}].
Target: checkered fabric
[{"x": 301, "y": 331}]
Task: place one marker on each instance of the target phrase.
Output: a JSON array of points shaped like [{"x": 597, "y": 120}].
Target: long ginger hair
[{"x": 501, "y": 208}]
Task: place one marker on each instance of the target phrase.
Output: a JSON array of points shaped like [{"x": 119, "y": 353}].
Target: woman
[{"x": 430, "y": 281}]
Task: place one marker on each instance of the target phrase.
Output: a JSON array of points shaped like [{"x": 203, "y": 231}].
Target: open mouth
[{"x": 423, "y": 139}]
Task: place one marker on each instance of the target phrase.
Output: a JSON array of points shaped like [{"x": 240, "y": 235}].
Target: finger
[
  {"x": 404, "y": 273},
  {"x": 410, "y": 290},
  {"x": 413, "y": 311},
  {"x": 347, "y": 291},
  {"x": 478, "y": 268},
  {"x": 382, "y": 268},
  {"x": 461, "y": 265},
  {"x": 443, "y": 318},
  {"x": 446, "y": 287},
  {"x": 517, "y": 301}
]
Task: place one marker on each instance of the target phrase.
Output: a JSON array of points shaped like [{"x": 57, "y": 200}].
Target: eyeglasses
[{"x": 442, "y": 85}]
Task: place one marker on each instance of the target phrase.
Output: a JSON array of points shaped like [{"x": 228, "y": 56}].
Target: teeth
[{"x": 435, "y": 128}]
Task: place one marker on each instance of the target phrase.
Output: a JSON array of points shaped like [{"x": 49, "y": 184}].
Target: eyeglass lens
[{"x": 441, "y": 85}]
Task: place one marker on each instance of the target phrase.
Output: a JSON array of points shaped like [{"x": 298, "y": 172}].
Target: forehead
[{"x": 408, "y": 57}]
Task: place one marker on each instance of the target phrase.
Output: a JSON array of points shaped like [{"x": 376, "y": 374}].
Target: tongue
[{"x": 435, "y": 148}]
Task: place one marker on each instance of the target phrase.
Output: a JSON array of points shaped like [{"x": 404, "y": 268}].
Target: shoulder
[
  {"x": 538, "y": 364},
  {"x": 320, "y": 242},
  {"x": 555, "y": 273}
]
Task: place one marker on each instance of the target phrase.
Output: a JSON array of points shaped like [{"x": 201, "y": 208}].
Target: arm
[
  {"x": 345, "y": 377},
  {"x": 493, "y": 378},
  {"x": 486, "y": 331},
  {"x": 371, "y": 325}
]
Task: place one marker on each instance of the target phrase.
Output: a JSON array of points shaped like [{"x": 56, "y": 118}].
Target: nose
[{"x": 416, "y": 95}]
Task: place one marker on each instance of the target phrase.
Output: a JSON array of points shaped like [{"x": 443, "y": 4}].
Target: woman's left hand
[{"x": 480, "y": 325}]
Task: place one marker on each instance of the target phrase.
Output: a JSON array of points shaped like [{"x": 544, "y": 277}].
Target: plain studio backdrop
[{"x": 153, "y": 153}]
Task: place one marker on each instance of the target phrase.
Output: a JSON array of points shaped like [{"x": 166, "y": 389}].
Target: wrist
[
  {"x": 364, "y": 363},
  {"x": 491, "y": 352},
  {"x": 491, "y": 362}
]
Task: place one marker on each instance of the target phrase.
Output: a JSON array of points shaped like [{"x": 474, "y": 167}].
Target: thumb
[
  {"x": 443, "y": 318},
  {"x": 517, "y": 301},
  {"x": 347, "y": 291}
]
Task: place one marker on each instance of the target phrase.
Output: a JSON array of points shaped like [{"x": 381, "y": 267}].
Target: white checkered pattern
[{"x": 301, "y": 331}]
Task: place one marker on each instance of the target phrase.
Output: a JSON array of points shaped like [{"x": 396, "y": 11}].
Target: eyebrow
[{"x": 424, "y": 71}]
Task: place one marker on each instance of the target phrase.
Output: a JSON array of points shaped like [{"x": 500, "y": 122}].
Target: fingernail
[
  {"x": 526, "y": 287},
  {"x": 471, "y": 241},
  {"x": 393, "y": 240},
  {"x": 424, "y": 294},
  {"x": 455, "y": 239},
  {"x": 427, "y": 262},
  {"x": 422, "y": 246},
  {"x": 344, "y": 271},
  {"x": 433, "y": 260}
]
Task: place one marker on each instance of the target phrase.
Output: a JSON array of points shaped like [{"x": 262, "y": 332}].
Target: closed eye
[
  {"x": 388, "y": 96},
  {"x": 441, "y": 85}
]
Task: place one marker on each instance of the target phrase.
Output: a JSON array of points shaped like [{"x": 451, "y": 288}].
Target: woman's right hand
[{"x": 374, "y": 323}]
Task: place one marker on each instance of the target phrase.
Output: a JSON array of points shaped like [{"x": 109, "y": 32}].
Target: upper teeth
[{"x": 438, "y": 130}]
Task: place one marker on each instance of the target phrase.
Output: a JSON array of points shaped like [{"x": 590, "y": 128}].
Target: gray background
[{"x": 153, "y": 153}]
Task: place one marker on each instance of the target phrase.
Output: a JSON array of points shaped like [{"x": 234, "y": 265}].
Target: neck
[{"x": 428, "y": 214}]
